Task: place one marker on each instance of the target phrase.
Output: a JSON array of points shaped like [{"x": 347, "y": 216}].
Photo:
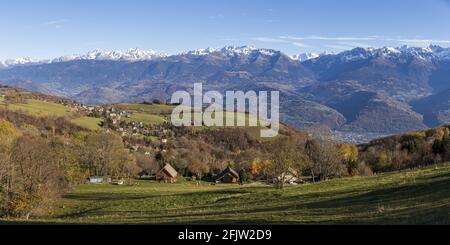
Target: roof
[
  {"x": 170, "y": 170},
  {"x": 226, "y": 171}
]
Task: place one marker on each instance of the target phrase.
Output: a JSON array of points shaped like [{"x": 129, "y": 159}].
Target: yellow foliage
[
  {"x": 438, "y": 133},
  {"x": 255, "y": 166},
  {"x": 446, "y": 132},
  {"x": 349, "y": 152},
  {"x": 8, "y": 132},
  {"x": 419, "y": 134}
]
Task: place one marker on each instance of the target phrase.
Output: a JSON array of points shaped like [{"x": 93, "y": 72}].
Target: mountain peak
[
  {"x": 305, "y": 56},
  {"x": 132, "y": 54},
  {"x": 136, "y": 54},
  {"x": 232, "y": 50},
  {"x": 424, "y": 53}
]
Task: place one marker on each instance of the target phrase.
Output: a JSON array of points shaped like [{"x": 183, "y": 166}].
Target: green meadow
[
  {"x": 41, "y": 108},
  {"x": 154, "y": 109},
  {"x": 147, "y": 118},
  {"x": 90, "y": 123},
  {"x": 410, "y": 197}
]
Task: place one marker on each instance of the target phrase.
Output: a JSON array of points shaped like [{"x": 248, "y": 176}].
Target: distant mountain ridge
[
  {"x": 132, "y": 54},
  {"x": 364, "y": 90}
]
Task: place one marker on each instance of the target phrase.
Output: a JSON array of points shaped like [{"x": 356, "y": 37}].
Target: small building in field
[
  {"x": 99, "y": 180},
  {"x": 289, "y": 177},
  {"x": 227, "y": 176},
  {"x": 167, "y": 174},
  {"x": 145, "y": 174}
]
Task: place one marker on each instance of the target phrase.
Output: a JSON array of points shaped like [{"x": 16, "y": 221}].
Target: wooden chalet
[
  {"x": 167, "y": 174},
  {"x": 227, "y": 176}
]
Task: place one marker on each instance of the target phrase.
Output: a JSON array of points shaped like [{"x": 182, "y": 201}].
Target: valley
[
  {"x": 393, "y": 180},
  {"x": 364, "y": 91}
]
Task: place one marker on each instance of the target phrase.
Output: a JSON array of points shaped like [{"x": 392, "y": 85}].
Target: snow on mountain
[
  {"x": 305, "y": 56},
  {"x": 232, "y": 51},
  {"x": 133, "y": 54},
  {"x": 20, "y": 61},
  {"x": 424, "y": 53},
  {"x": 200, "y": 52}
]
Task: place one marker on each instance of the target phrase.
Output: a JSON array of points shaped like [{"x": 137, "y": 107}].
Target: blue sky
[{"x": 51, "y": 28}]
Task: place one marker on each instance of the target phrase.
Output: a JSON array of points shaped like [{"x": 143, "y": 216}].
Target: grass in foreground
[{"x": 410, "y": 197}]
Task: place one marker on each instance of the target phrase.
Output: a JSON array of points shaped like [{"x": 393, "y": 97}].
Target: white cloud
[
  {"x": 270, "y": 40},
  {"x": 279, "y": 40},
  {"x": 350, "y": 42},
  {"x": 300, "y": 45},
  {"x": 354, "y": 44},
  {"x": 338, "y": 47},
  {"x": 56, "y": 23},
  {"x": 421, "y": 41},
  {"x": 325, "y": 38},
  {"x": 368, "y": 38}
]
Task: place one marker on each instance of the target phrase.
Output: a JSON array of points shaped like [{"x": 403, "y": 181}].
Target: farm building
[
  {"x": 167, "y": 174},
  {"x": 99, "y": 180},
  {"x": 227, "y": 176},
  {"x": 289, "y": 177},
  {"x": 145, "y": 174}
]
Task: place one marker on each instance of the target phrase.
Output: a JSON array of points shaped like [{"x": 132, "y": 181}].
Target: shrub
[{"x": 363, "y": 169}]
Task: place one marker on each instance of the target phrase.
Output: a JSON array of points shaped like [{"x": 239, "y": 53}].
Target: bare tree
[
  {"x": 37, "y": 178},
  {"x": 324, "y": 159},
  {"x": 104, "y": 155},
  {"x": 286, "y": 156}
]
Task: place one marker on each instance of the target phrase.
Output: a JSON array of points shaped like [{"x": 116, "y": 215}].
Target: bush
[
  {"x": 363, "y": 169},
  {"x": 243, "y": 176}
]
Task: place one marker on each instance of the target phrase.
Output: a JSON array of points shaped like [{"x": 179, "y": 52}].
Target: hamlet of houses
[{"x": 118, "y": 120}]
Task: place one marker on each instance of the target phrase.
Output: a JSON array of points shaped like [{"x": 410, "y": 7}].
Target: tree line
[{"x": 36, "y": 169}]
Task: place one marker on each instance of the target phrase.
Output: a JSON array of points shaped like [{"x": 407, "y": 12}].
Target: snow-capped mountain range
[
  {"x": 232, "y": 50},
  {"x": 426, "y": 53},
  {"x": 364, "y": 90},
  {"x": 135, "y": 54}
]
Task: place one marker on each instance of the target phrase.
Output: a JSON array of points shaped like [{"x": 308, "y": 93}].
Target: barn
[
  {"x": 228, "y": 175},
  {"x": 167, "y": 174}
]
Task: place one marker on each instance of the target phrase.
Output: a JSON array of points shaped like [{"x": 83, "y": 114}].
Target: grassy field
[
  {"x": 409, "y": 197},
  {"x": 147, "y": 118},
  {"x": 90, "y": 123},
  {"x": 163, "y": 110},
  {"x": 157, "y": 114},
  {"x": 41, "y": 108}
]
